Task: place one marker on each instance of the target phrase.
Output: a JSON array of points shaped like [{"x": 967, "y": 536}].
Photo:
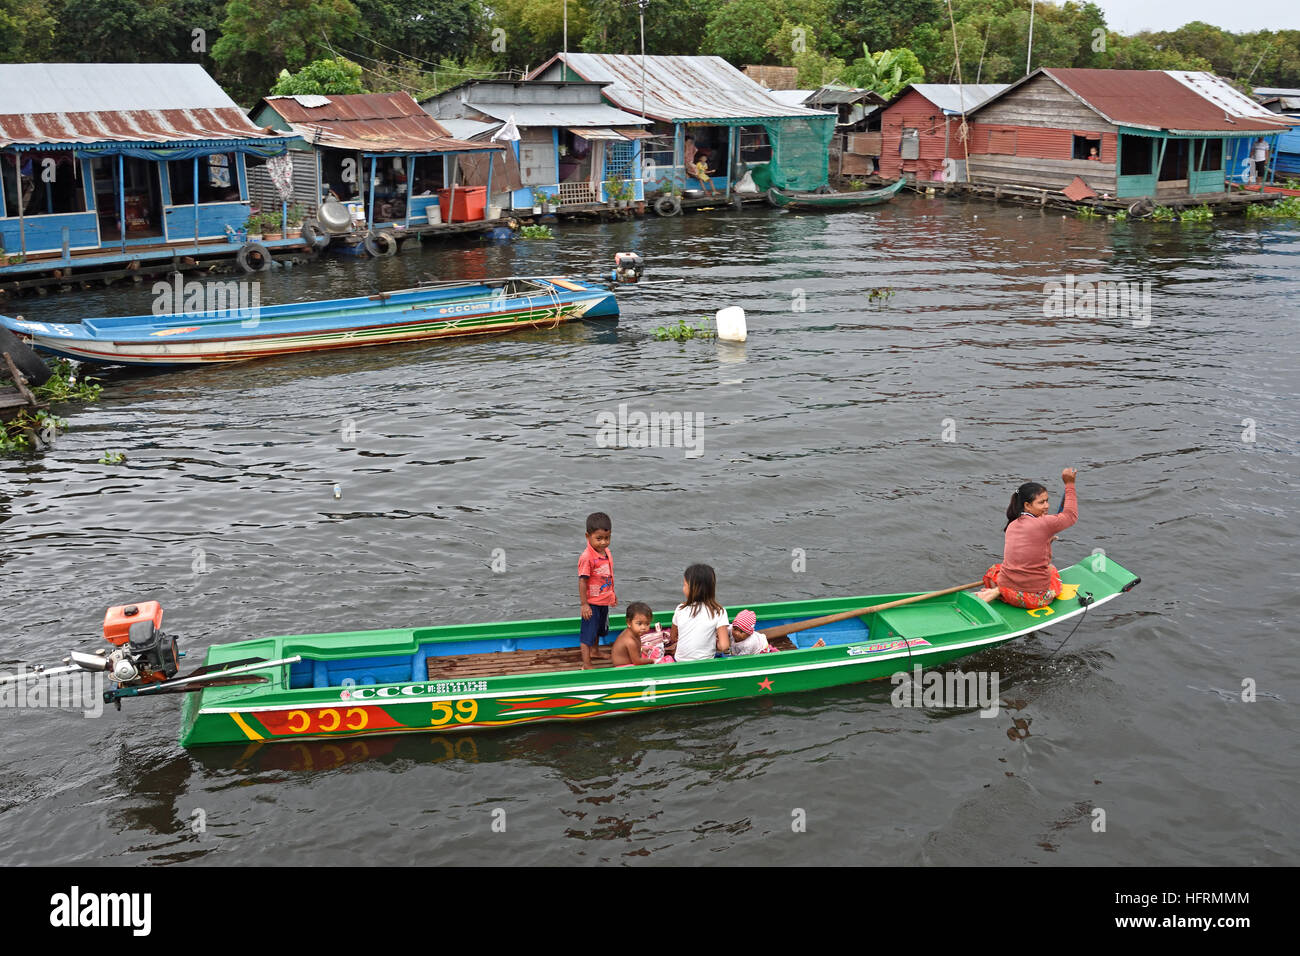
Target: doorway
[{"x": 142, "y": 190}]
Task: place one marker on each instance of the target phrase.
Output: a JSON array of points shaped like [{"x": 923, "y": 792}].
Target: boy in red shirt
[{"x": 595, "y": 587}]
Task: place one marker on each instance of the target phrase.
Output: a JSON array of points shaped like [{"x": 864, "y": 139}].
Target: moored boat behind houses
[{"x": 103, "y": 165}]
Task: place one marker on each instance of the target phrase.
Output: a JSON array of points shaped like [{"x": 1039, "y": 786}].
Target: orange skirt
[{"x": 1025, "y": 599}]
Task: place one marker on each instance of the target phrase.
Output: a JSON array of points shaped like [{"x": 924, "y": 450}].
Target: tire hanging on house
[
  {"x": 380, "y": 242},
  {"x": 668, "y": 206},
  {"x": 253, "y": 257},
  {"x": 314, "y": 236}
]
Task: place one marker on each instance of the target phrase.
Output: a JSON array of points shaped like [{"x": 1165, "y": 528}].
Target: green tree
[
  {"x": 534, "y": 29},
  {"x": 671, "y": 29},
  {"x": 740, "y": 30},
  {"x": 426, "y": 30},
  {"x": 261, "y": 37},
  {"x": 156, "y": 31},
  {"x": 884, "y": 24},
  {"x": 816, "y": 70},
  {"x": 887, "y": 72},
  {"x": 27, "y": 30},
  {"x": 337, "y": 75}
]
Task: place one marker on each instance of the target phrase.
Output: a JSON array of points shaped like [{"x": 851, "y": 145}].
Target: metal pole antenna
[
  {"x": 1029, "y": 53},
  {"x": 641, "y": 5}
]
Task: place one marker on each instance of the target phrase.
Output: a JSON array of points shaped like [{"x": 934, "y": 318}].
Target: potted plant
[
  {"x": 272, "y": 227},
  {"x": 296, "y": 215},
  {"x": 539, "y": 202},
  {"x": 254, "y": 227}
]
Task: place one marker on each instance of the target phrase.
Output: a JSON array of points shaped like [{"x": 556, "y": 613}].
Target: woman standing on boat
[{"x": 1026, "y": 577}]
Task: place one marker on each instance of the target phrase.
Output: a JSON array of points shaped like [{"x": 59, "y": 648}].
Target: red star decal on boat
[{"x": 765, "y": 684}]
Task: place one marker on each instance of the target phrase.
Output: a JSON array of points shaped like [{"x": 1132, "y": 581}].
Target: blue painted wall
[{"x": 45, "y": 233}]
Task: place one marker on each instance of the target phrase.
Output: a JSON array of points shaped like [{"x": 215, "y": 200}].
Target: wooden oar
[{"x": 775, "y": 632}]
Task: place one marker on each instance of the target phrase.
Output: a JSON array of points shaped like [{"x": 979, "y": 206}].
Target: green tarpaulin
[{"x": 800, "y": 150}]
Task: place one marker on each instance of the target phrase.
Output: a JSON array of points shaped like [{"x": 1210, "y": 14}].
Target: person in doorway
[{"x": 1261, "y": 159}]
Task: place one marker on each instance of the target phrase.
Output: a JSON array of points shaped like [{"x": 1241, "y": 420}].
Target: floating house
[
  {"x": 1161, "y": 134},
  {"x": 103, "y": 165},
  {"x": 570, "y": 143},
  {"x": 704, "y": 106},
  {"x": 378, "y": 153},
  {"x": 920, "y": 130},
  {"x": 1284, "y": 161}
]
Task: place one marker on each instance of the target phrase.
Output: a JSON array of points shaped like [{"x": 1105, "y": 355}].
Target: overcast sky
[{"x": 1244, "y": 16}]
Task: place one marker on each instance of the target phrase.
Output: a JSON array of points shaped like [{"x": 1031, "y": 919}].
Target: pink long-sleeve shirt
[{"x": 1027, "y": 551}]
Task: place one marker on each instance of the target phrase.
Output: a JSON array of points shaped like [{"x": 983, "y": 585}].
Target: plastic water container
[
  {"x": 494, "y": 212},
  {"x": 730, "y": 323}
]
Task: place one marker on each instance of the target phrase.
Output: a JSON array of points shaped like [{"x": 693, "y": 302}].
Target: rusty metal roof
[
  {"x": 1177, "y": 101},
  {"x": 369, "y": 122},
  {"x": 49, "y": 104},
  {"x": 677, "y": 87}
]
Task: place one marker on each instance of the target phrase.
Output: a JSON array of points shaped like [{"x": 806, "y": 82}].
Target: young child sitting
[
  {"x": 627, "y": 646},
  {"x": 746, "y": 640}
]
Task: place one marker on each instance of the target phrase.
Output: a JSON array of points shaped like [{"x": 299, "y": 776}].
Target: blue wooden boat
[{"x": 223, "y": 322}]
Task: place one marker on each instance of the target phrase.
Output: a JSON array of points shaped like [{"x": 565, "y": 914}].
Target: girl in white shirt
[{"x": 700, "y": 625}]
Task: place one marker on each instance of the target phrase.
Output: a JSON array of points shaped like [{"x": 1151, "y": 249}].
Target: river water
[{"x": 853, "y": 445}]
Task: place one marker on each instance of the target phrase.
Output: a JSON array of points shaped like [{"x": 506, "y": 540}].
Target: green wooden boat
[
  {"x": 461, "y": 677},
  {"x": 784, "y": 199}
]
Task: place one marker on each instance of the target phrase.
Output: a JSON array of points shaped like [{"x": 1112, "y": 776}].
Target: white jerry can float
[{"x": 731, "y": 324}]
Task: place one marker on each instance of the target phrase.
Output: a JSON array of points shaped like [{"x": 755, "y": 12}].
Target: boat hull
[
  {"x": 831, "y": 201},
  {"x": 240, "y": 335},
  {"x": 344, "y": 687}
]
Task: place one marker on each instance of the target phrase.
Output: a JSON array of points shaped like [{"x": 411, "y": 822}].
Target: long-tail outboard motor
[
  {"x": 144, "y": 654},
  {"x": 628, "y": 267}
]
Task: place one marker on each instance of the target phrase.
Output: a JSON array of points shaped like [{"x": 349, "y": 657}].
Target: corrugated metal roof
[
  {"x": 790, "y": 97},
  {"x": 466, "y": 128},
  {"x": 371, "y": 123},
  {"x": 677, "y": 87},
  {"x": 954, "y": 97},
  {"x": 56, "y": 103},
  {"x": 95, "y": 87},
  {"x": 1177, "y": 101},
  {"x": 129, "y": 126},
  {"x": 558, "y": 114},
  {"x": 838, "y": 95}
]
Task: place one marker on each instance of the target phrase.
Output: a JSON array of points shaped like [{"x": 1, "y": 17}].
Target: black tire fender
[
  {"x": 668, "y": 206},
  {"x": 380, "y": 242},
  {"x": 253, "y": 257},
  {"x": 315, "y": 237}
]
